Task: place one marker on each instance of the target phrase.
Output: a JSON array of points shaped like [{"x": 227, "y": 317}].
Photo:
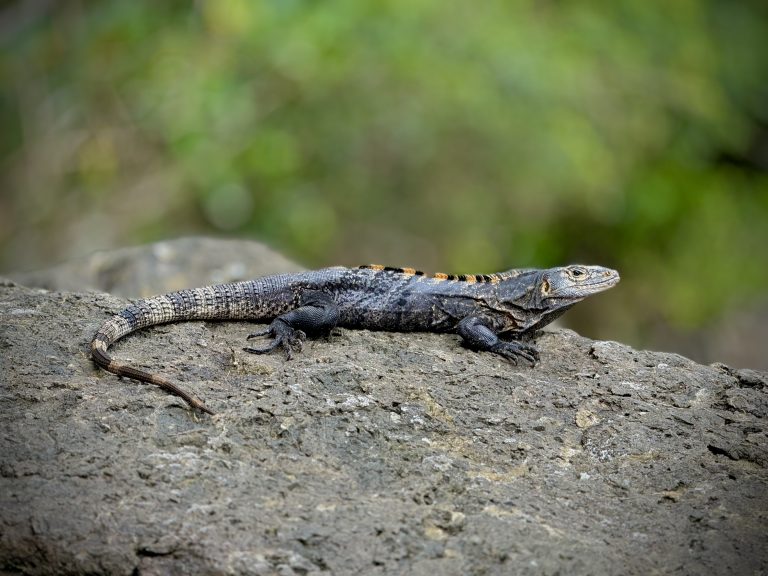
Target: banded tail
[{"x": 222, "y": 302}]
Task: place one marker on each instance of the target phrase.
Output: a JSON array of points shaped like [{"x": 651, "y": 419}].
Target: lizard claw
[
  {"x": 514, "y": 351},
  {"x": 287, "y": 338}
]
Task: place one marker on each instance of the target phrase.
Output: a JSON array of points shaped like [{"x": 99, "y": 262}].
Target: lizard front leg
[
  {"x": 318, "y": 314},
  {"x": 478, "y": 335}
]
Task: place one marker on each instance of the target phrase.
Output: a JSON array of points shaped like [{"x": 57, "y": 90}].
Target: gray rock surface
[{"x": 370, "y": 453}]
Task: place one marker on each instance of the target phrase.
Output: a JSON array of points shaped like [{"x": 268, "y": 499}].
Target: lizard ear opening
[{"x": 545, "y": 287}]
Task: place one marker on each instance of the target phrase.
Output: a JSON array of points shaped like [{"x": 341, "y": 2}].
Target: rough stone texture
[{"x": 371, "y": 453}]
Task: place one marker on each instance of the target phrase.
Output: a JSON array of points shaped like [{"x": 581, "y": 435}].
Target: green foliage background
[{"x": 466, "y": 136}]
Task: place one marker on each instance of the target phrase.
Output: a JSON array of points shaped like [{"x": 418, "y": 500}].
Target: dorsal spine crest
[{"x": 469, "y": 278}]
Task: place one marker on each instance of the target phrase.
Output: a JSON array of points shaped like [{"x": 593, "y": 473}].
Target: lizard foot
[
  {"x": 514, "y": 351},
  {"x": 287, "y": 338}
]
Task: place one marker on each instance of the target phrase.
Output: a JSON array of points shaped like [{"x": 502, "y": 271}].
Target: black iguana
[{"x": 480, "y": 308}]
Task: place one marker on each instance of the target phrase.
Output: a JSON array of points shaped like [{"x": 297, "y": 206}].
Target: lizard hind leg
[{"x": 318, "y": 314}]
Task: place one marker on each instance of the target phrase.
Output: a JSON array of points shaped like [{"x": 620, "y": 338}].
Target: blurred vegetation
[{"x": 462, "y": 136}]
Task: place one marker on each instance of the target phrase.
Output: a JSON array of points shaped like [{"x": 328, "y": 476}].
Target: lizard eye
[{"x": 577, "y": 272}]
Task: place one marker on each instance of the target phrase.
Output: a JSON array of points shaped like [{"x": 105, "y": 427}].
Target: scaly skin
[{"x": 480, "y": 308}]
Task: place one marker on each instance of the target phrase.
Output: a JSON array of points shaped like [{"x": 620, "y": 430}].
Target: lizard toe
[
  {"x": 514, "y": 352},
  {"x": 264, "y": 350},
  {"x": 264, "y": 332}
]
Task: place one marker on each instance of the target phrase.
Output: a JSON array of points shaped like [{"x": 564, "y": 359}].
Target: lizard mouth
[{"x": 606, "y": 279}]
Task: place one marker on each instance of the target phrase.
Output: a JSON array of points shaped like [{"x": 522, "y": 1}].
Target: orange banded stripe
[
  {"x": 469, "y": 278},
  {"x": 406, "y": 271},
  {"x": 492, "y": 278}
]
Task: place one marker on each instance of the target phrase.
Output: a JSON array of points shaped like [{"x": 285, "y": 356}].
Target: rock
[
  {"x": 369, "y": 453},
  {"x": 142, "y": 271}
]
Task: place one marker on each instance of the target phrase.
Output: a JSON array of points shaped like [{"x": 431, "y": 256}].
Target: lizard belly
[{"x": 399, "y": 317}]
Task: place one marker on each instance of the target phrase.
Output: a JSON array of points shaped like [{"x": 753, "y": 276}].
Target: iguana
[{"x": 480, "y": 308}]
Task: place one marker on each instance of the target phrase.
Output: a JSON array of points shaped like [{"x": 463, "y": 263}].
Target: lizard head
[
  {"x": 529, "y": 299},
  {"x": 551, "y": 292},
  {"x": 569, "y": 284}
]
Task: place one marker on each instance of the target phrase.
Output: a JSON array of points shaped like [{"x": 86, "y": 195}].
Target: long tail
[
  {"x": 99, "y": 347},
  {"x": 222, "y": 302}
]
